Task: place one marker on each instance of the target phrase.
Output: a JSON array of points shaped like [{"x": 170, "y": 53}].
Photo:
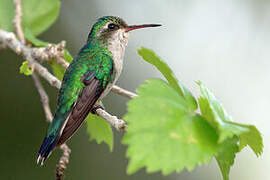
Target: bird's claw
[{"x": 95, "y": 107}]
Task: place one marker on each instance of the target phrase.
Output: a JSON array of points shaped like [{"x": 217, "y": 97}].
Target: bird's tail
[
  {"x": 51, "y": 139},
  {"x": 47, "y": 146}
]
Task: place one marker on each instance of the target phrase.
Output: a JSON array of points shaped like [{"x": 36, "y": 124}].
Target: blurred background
[{"x": 224, "y": 43}]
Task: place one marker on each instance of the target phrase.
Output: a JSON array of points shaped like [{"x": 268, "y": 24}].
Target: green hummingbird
[{"x": 88, "y": 79}]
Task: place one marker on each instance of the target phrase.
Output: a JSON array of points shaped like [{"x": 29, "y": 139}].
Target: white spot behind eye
[{"x": 103, "y": 28}]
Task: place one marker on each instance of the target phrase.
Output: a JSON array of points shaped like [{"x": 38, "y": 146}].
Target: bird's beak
[{"x": 133, "y": 27}]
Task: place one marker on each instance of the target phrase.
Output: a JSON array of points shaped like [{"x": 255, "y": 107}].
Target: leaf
[
  {"x": 30, "y": 37},
  {"x": 225, "y": 128},
  {"x": 37, "y": 15},
  {"x": 6, "y": 15},
  {"x": 226, "y": 155},
  {"x": 59, "y": 70},
  {"x": 25, "y": 69},
  {"x": 163, "y": 134},
  {"x": 253, "y": 139},
  {"x": 150, "y": 57},
  {"x": 67, "y": 56},
  {"x": 213, "y": 111},
  {"x": 99, "y": 130}
]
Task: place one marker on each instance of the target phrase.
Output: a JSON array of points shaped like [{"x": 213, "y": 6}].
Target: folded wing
[{"x": 85, "y": 102}]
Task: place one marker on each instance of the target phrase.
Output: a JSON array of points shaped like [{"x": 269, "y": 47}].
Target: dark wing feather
[{"x": 87, "y": 99}]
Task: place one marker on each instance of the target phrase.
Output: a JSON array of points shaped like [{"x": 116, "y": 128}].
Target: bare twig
[
  {"x": 118, "y": 124},
  {"x": 51, "y": 52},
  {"x": 62, "y": 62},
  {"x": 62, "y": 164},
  {"x": 43, "y": 98},
  {"x": 123, "y": 92},
  {"x": 17, "y": 20}
]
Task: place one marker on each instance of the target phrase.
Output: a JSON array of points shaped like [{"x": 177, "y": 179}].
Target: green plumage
[{"x": 93, "y": 57}]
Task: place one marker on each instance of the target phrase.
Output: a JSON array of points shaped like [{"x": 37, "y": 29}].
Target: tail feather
[
  {"x": 52, "y": 137},
  {"x": 47, "y": 146}
]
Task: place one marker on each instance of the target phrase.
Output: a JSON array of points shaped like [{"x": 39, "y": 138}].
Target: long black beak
[{"x": 133, "y": 27}]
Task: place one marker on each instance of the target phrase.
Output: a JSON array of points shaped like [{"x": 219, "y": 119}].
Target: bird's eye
[{"x": 112, "y": 26}]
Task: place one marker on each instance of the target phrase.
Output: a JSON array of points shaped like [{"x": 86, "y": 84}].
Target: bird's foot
[{"x": 95, "y": 107}]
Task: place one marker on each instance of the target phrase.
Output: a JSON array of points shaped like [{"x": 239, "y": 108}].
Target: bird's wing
[
  {"x": 95, "y": 83},
  {"x": 87, "y": 99}
]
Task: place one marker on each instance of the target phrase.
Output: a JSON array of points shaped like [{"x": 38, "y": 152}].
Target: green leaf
[
  {"x": 37, "y": 15},
  {"x": 25, "y": 69},
  {"x": 30, "y": 37},
  {"x": 6, "y": 15},
  {"x": 57, "y": 69},
  {"x": 253, "y": 139},
  {"x": 99, "y": 130},
  {"x": 213, "y": 111},
  {"x": 226, "y": 155},
  {"x": 163, "y": 134},
  {"x": 225, "y": 128},
  {"x": 150, "y": 57},
  {"x": 67, "y": 56}
]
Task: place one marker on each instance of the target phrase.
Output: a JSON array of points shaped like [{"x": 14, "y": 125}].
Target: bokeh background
[{"x": 224, "y": 43}]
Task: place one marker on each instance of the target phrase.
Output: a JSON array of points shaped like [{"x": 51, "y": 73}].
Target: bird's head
[{"x": 112, "y": 28}]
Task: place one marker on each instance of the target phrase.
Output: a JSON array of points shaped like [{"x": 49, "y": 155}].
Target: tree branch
[
  {"x": 43, "y": 98},
  {"x": 118, "y": 124},
  {"x": 51, "y": 52},
  {"x": 64, "y": 160},
  {"x": 17, "y": 20},
  {"x": 123, "y": 92}
]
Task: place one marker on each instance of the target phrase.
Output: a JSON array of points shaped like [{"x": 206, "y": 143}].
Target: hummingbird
[{"x": 88, "y": 79}]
